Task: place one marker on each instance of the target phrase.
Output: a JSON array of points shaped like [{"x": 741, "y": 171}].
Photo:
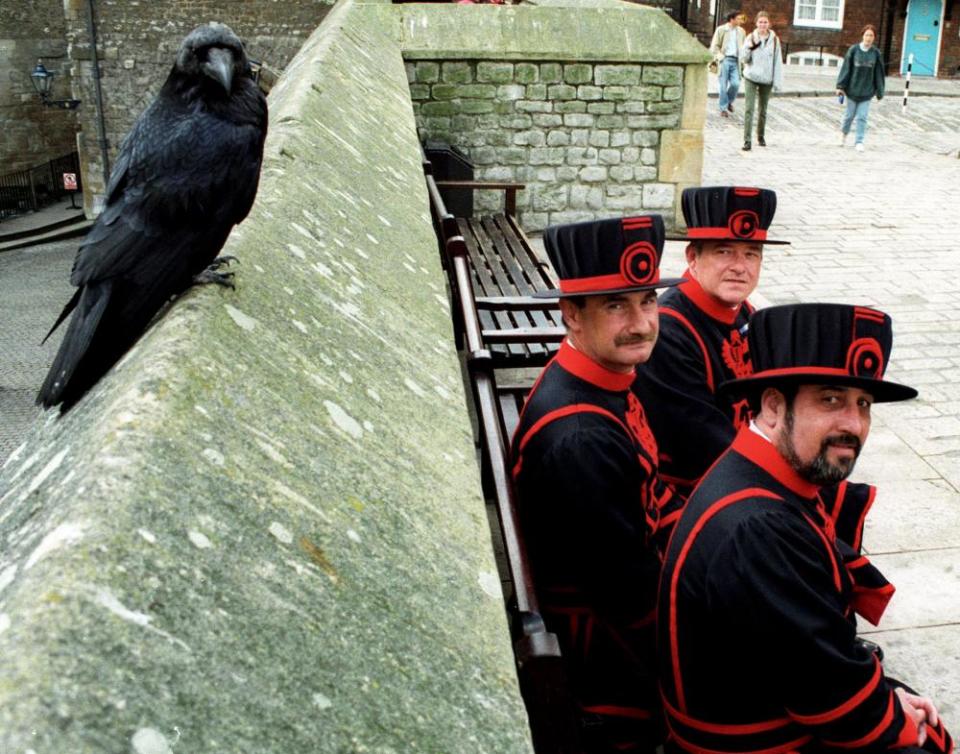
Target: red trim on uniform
[
  {"x": 838, "y": 501},
  {"x": 573, "y": 408},
  {"x": 640, "y": 221},
  {"x": 600, "y": 283},
  {"x": 858, "y": 537},
  {"x": 761, "y": 451},
  {"x": 862, "y": 312},
  {"x": 740, "y": 191},
  {"x": 634, "y": 713},
  {"x": 701, "y": 522},
  {"x": 582, "y": 366},
  {"x": 831, "y": 550},
  {"x": 703, "y": 346},
  {"x": 706, "y": 303},
  {"x": 788, "y": 748},
  {"x": 802, "y": 372},
  {"x": 676, "y": 480},
  {"x": 875, "y": 733},
  {"x": 726, "y": 729},
  {"x": 909, "y": 733},
  {"x": 669, "y": 519},
  {"x": 722, "y": 234},
  {"x": 857, "y": 562},
  {"x": 846, "y": 707},
  {"x": 871, "y": 602}
]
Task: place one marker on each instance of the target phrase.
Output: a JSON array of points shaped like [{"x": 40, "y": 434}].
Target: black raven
[{"x": 186, "y": 174}]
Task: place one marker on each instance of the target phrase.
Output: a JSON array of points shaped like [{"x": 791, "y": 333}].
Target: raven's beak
[{"x": 219, "y": 66}]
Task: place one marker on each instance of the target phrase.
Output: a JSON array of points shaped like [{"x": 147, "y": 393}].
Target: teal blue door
[{"x": 922, "y": 37}]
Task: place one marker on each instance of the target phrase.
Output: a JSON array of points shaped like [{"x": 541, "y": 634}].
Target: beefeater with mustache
[{"x": 593, "y": 510}]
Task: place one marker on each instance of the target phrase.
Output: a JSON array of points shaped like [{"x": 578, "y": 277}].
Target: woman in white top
[{"x": 762, "y": 72}]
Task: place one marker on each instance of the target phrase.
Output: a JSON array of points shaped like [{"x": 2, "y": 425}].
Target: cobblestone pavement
[
  {"x": 34, "y": 286},
  {"x": 881, "y": 228}
]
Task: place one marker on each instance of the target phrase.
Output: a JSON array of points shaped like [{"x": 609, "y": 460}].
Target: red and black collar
[
  {"x": 582, "y": 366},
  {"x": 706, "y": 303},
  {"x": 757, "y": 448}
]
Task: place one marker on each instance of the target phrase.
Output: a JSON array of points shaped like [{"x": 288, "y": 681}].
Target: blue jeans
[
  {"x": 729, "y": 81},
  {"x": 858, "y": 110}
]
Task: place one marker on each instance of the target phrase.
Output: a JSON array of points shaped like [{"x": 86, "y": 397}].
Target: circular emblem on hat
[
  {"x": 865, "y": 358},
  {"x": 638, "y": 263},
  {"x": 744, "y": 223}
]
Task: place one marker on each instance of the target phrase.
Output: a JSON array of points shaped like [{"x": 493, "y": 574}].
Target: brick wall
[
  {"x": 32, "y": 134},
  {"x": 137, "y": 42},
  {"x": 585, "y": 138},
  {"x": 856, "y": 15}
]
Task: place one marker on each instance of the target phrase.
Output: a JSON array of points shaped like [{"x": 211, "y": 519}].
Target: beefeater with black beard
[{"x": 756, "y": 623}]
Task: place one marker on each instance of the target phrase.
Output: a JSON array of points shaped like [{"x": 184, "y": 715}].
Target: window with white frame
[{"x": 825, "y": 14}]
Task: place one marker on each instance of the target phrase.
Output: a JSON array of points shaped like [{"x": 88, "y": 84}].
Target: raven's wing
[{"x": 184, "y": 177}]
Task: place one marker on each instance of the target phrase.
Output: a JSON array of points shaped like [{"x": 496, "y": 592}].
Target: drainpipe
[
  {"x": 101, "y": 125},
  {"x": 888, "y": 23}
]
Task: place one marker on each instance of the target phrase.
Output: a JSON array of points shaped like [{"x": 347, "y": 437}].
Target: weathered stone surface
[
  {"x": 262, "y": 531},
  {"x": 576, "y": 100},
  {"x": 496, "y": 73},
  {"x": 681, "y": 156}
]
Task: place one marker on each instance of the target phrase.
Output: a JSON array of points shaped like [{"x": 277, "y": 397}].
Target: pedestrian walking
[
  {"x": 862, "y": 77},
  {"x": 725, "y": 46},
  {"x": 762, "y": 73}
]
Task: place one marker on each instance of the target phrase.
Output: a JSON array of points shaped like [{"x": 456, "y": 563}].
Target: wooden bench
[
  {"x": 517, "y": 329},
  {"x": 540, "y": 669}
]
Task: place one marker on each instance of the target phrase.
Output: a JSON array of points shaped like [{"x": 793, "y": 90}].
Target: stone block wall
[
  {"x": 263, "y": 530},
  {"x": 587, "y": 139},
  {"x": 137, "y": 42},
  {"x": 33, "y": 134}
]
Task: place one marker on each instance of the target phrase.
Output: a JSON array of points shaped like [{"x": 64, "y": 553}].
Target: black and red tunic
[
  {"x": 701, "y": 345},
  {"x": 590, "y": 502},
  {"x": 757, "y": 646}
]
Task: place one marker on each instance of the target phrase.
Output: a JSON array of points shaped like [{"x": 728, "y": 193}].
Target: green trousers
[{"x": 752, "y": 90}]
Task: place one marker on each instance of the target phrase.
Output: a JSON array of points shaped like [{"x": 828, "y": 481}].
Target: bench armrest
[{"x": 511, "y": 190}]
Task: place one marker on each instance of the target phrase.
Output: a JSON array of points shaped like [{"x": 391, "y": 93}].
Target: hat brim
[
  {"x": 767, "y": 242},
  {"x": 557, "y": 293},
  {"x": 881, "y": 390}
]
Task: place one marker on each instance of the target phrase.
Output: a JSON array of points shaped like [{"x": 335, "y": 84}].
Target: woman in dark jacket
[{"x": 862, "y": 78}]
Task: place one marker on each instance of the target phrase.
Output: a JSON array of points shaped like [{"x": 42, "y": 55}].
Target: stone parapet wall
[
  {"x": 585, "y": 138},
  {"x": 263, "y": 530},
  {"x": 596, "y": 105}
]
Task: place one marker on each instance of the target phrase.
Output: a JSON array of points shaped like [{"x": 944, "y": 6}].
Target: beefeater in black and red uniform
[
  {"x": 703, "y": 343},
  {"x": 756, "y": 626},
  {"x": 584, "y": 463},
  {"x": 703, "y": 329}
]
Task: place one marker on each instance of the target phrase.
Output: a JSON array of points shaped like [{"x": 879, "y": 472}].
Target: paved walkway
[
  {"x": 799, "y": 82},
  {"x": 34, "y": 286},
  {"x": 880, "y": 228}
]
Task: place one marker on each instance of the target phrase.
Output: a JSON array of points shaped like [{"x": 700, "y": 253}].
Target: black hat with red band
[
  {"x": 820, "y": 344},
  {"x": 606, "y": 256},
  {"x": 728, "y": 213}
]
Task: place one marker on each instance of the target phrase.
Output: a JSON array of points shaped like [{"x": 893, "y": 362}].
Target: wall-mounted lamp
[{"x": 42, "y": 82}]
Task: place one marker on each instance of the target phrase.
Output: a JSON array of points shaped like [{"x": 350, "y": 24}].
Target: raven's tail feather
[
  {"x": 71, "y": 304},
  {"x": 93, "y": 301}
]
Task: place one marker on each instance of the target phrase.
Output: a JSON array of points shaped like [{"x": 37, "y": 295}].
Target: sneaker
[
  {"x": 730, "y": 107},
  {"x": 724, "y": 114},
  {"x": 761, "y": 142},
  {"x": 746, "y": 146},
  {"x": 859, "y": 146},
  {"x": 843, "y": 139}
]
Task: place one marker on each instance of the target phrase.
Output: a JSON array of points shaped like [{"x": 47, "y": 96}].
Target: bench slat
[
  {"x": 484, "y": 281},
  {"x": 497, "y": 260}
]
